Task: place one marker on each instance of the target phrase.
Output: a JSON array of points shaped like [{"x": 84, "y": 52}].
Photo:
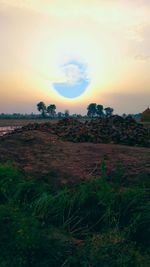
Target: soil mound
[{"x": 113, "y": 130}]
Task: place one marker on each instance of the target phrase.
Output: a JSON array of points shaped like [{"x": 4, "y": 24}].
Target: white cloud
[{"x": 75, "y": 71}]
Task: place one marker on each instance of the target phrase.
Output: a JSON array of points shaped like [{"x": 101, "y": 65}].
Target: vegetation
[
  {"x": 95, "y": 110},
  {"x": 91, "y": 110},
  {"x": 96, "y": 223},
  {"x": 19, "y": 116},
  {"x": 51, "y": 110},
  {"x": 109, "y": 111},
  {"x": 42, "y": 108},
  {"x": 66, "y": 114},
  {"x": 99, "y": 110}
]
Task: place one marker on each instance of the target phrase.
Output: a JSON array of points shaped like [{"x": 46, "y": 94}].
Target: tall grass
[{"x": 95, "y": 223}]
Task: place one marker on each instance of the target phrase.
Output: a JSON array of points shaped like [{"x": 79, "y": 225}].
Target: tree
[
  {"x": 66, "y": 113},
  {"x": 51, "y": 110},
  {"x": 124, "y": 115},
  {"x": 42, "y": 108},
  {"x": 91, "y": 110},
  {"x": 109, "y": 111},
  {"x": 59, "y": 115},
  {"x": 100, "y": 110}
]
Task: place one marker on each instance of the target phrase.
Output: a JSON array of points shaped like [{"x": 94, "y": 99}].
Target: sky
[{"x": 72, "y": 53}]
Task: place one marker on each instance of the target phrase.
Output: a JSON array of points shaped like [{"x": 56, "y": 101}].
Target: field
[
  {"x": 71, "y": 204},
  {"x": 22, "y": 122}
]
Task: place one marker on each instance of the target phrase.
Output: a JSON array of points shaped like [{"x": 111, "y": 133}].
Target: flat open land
[
  {"x": 23, "y": 122},
  {"x": 43, "y": 155}
]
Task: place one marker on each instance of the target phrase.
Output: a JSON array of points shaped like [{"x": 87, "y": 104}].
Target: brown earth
[{"x": 43, "y": 155}]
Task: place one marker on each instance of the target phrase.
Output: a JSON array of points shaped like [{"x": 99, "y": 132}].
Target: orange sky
[{"x": 37, "y": 37}]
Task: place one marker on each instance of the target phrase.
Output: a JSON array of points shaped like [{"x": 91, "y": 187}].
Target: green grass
[{"x": 96, "y": 223}]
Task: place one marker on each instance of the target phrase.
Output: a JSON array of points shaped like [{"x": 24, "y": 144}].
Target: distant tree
[
  {"x": 79, "y": 116},
  {"x": 99, "y": 110},
  {"x": 76, "y": 116},
  {"x": 66, "y": 113},
  {"x": 92, "y": 110},
  {"x": 42, "y": 108},
  {"x": 59, "y": 115},
  {"x": 124, "y": 115},
  {"x": 51, "y": 110},
  {"x": 108, "y": 111}
]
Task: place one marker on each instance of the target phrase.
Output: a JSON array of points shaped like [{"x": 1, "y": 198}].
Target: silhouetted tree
[
  {"x": 99, "y": 111},
  {"x": 108, "y": 111},
  {"x": 59, "y": 115},
  {"x": 51, "y": 110},
  {"x": 91, "y": 110},
  {"x": 124, "y": 115},
  {"x": 76, "y": 116},
  {"x": 66, "y": 113},
  {"x": 42, "y": 108}
]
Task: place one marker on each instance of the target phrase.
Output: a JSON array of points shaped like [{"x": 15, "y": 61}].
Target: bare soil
[{"x": 44, "y": 156}]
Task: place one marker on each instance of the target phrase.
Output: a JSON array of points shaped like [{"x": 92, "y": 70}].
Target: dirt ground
[{"x": 42, "y": 155}]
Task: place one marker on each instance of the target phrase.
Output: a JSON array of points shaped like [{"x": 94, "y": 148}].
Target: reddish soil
[{"x": 42, "y": 155}]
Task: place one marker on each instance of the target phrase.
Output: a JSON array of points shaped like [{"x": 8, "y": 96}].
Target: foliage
[
  {"x": 66, "y": 113},
  {"x": 51, "y": 110},
  {"x": 42, "y": 108},
  {"x": 20, "y": 116},
  {"x": 98, "y": 110},
  {"x": 108, "y": 111},
  {"x": 91, "y": 110},
  {"x": 95, "y": 223}
]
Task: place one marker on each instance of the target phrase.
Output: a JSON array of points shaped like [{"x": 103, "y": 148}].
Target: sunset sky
[{"x": 109, "y": 41}]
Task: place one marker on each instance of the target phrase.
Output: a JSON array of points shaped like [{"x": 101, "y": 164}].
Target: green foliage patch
[{"x": 96, "y": 223}]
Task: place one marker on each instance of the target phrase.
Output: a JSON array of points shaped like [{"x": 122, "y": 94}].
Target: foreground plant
[{"x": 96, "y": 223}]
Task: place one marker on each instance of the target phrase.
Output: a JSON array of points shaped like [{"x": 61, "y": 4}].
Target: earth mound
[{"x": 113, "y": 130}]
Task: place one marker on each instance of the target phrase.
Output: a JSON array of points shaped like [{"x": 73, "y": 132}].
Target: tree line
[
  {"x": 99, "y": 110},
  {"x": 50, "y": 110},
  {"x": 93, "y": 110}
]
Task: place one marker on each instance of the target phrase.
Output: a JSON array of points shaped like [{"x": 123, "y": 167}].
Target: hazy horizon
[{"x": 38, "y": 38}]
